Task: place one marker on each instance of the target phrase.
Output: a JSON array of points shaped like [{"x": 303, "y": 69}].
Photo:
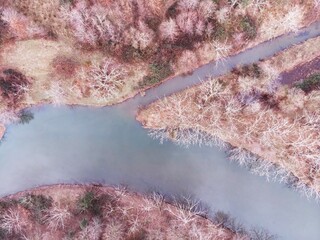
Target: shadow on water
[{"x": 64, "y": 145}]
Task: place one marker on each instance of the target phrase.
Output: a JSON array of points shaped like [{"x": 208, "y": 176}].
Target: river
[{"x": 81, "y": 145}]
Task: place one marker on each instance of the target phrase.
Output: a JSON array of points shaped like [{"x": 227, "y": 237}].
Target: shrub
[
  {"x": 172, "y": 11},
  {"x": 310, "y": 83},
  {"x": 252, "y": 70},
  {"x": 6, "y": 204},
  {"x": 3, "y": 30},
  {"x": 13, "y": 84},
  {"x": 138, "y": 235},
  {"x": 64, "y": 66},
  {"x": 37, "y": 204},
  {"x": 129, "y": 53},
  {"x": 83, "y": 223},
  {"x": 248, "y": 25},
  {"x": 220, "y": 32},
  {"x": 158, "y": 72},
  {"x": 91, "y": 203}
]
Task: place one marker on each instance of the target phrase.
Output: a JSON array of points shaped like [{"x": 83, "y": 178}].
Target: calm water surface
[
  {"x": 80, "y": 145},
  {"x": 64, "y": 145}
]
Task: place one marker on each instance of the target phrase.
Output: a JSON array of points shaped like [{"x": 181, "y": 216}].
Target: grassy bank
[{"x": 272, "y": 128}]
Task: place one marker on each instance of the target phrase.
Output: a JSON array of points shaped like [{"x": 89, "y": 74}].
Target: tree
[
  {"x": 105, "y": 79},
  {"x": 186, "y": 22},
  {"x": 185, "y": 5},
  {"x": 140, "y": 37},
  {"x": 19, "y": 25},
  {"x": 261, "y": 234},
  {"x": 92, "y": 231},
  {"x": 222, "y": 14},
  {"x": 169, "y": 30},
  {"x": 12, "y": 221},
  {"x": 56, "y": 217},
  {"x": 207, "y": 8},
  {"x": 55, "y": 94},
  {"x": 221, "y": 50},
  {"x": 279, "y": 23},
  {"x": 188, "y": 60},
  {"x": 90, "y": 24}
]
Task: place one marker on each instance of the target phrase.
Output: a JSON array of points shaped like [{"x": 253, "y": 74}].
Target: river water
[{"x": 81, "y": 145}]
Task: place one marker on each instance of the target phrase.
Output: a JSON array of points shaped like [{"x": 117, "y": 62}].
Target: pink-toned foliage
[
  {"x": 186, "y": 21},
  {"x": 169, "y": 30},
  {"x": 20, "y": 26}
]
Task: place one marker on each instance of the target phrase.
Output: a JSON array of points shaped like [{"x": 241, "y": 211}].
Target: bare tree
[
  {"x": 93, "y": 231},
  {"x": 188, "y": 60},
  {"x": 261, "y": 234},
  {"x": 187, "y": 209},
  {"x": 105, "y": 79},
  {"x": 184, "y": 5},
  {"x": 223, "y": 14},
  {"x": 279, "y": 23},
  {"x": 169, "y": 30},
  {"x": 12, "y": 221},
  {"x": 207, "y": 8},
  {"x": 186, "y": 21},
  {"x": 20, "y": 26},
  {"x": 140, "y": 37},
  {"x": 113, "y": 230},
  {"x": 55, "y": 94},
  {"x": 56, "y": 217},
  {"x": 221, "y": 50}
]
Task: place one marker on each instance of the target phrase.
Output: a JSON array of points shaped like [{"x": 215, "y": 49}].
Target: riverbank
[
  {"x": 273, "y": 127},
  {"x": 63, "y": 68},
  {"x": 2, "y": 131},
  {"x": 99, "y": 212}
]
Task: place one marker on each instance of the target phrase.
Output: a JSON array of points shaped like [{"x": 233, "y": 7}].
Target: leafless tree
[
  {"x": 289, "y": 22},
  {"x": 93, "y": 231},
  {"x": 113, "y": 230},
  {"x": 56, "y": 217},
  {"x": 169, "y": 30},
  {"x": 317, "y": 3},
  {"x": 105, "y": 79},
  {"x": 188, "y": 60},
  {"x": 187, "y": 209},
  {"x": 186, "y": 21},
  {"x": 20, "y": 26},
  {"x": 221, "y": 50},
  {"x": 185, "y": 5},
  {"x": 55, "y": 94},
  {"x": 12, "y": 221},
  {"x": 223, "y": 14},
  {"x": 8, "y": 116},
  {"x": 207, "y": 8}
]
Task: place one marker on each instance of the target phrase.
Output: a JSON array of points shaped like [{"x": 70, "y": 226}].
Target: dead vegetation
[
  {"x": 273, "y": 127},
  {"x": 152, "y": 40},
  {"x": 95, "y": 212}
]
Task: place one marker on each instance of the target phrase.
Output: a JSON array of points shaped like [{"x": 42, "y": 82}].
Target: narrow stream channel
[{"x": 80, "y": 145}]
